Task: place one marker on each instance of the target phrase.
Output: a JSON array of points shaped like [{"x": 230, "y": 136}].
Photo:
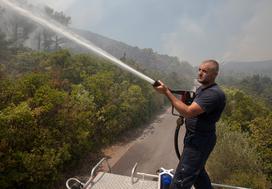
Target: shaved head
[
  {"x": 214, "y": 65},
  {"x": 207, "y": 72}
]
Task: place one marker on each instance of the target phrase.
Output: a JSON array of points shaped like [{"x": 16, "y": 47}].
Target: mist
[{"x": 193, "y": 31}]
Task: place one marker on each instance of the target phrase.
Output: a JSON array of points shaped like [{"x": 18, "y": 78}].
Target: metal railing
[
  {"x": 133, "y": 171},
  {"x": 228, "y": 186},
  {"x": 85, "y": 185}
]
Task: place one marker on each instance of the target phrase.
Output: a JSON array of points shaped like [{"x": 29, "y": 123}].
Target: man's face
[{"x": 206, "y": 73}]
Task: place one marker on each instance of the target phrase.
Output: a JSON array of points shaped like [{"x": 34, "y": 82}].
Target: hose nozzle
[{"x": 156, "y": 83}]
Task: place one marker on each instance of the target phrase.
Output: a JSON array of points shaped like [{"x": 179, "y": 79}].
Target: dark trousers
[{"x": 191, "y": 168}]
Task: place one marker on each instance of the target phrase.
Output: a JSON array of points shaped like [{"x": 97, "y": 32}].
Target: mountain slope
[
  {"x": 182, "y": 72},
  {"x": 248, "y": 68}
]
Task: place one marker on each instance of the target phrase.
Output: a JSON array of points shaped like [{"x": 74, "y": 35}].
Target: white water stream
[{"x": 61, "y": 30}]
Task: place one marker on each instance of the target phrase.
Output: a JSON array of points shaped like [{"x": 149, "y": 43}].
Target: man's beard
[{"x": 203, "y": 82}]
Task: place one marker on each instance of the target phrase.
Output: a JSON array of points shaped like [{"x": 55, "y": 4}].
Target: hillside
[
  {"x": 241, "y": 69},
  {"x": 175, "y": 73},
  {"x": 145, "y": 58}
]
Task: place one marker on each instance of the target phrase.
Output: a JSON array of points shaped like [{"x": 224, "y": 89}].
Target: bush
[{"x": 234, "y": 159}]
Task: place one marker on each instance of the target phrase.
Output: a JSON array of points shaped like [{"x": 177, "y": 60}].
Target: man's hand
[
  {"x": 162, "y": 88},
  {"x": 186, "y": 111}
]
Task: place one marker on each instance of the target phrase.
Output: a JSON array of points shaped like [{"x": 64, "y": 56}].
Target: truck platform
[{"x": 137, "y": 180}]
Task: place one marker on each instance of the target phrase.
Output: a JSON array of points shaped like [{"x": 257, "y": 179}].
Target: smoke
[
  {"x": 254, "y": 41},
  {"x": 59, "y": 5},
  {"x": 229, "y": 30},
  {"x": 192, "y": 30},
  {"x": 22, "y": 31}
]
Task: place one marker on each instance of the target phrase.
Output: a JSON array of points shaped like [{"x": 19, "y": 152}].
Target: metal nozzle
[{"x": 156, "y": 83}]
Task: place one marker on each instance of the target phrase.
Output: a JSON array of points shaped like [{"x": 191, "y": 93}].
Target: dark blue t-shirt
[{"x": 212, "y": 100}]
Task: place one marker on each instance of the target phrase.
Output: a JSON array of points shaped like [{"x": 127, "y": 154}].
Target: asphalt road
[{"x": 154, "y": 149}]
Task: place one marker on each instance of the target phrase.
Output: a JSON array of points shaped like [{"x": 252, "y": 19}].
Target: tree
[
  {"x": 261, "y": 136},
  {"x": 21, "y": 29},
  {"x": 241, "y": 109},
  {"x": 46, "y": 103},
  {"x": 32, "y": 82},
  {"x": 234, "y": 160},
  {"x": 17, "y": 131},
  {"x": 255, "y": 85},
  {"x": 4, "y": 48},
  {"x": 133, "y": 105},
  {"x": 77, "y": 121},
  {"x": 10, "y": 93},
  {"x": 49, "y": 37}
]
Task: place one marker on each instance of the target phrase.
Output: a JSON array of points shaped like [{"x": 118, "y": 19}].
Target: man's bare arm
[{"x": 186, "y": 111}]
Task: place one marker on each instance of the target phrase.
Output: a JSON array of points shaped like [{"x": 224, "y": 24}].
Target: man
[{"x": 200, "y": 119}]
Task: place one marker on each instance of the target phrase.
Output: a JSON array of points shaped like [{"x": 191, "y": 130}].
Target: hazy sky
[{"x": 192, "y": 30}]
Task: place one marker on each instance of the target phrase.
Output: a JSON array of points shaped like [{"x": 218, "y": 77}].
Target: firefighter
[{"x": 200, "y": 122}]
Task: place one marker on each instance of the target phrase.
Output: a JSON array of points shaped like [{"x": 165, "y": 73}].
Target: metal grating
[{"x": 107, "y": 180}]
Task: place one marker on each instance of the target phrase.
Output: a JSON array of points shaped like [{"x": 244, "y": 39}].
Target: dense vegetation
[
  {"x": 256, "y": 85},
  {"x": 56, "y": 106},
  {"x": 243, "y": 155},
  {"x": 22, "y": 32}
]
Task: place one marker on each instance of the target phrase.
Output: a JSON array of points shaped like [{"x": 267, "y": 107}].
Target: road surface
[{"x": 153, "y": 149}]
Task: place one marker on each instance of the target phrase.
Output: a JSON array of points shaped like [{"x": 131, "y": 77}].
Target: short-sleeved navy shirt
[{"x": 212, "y": 100}]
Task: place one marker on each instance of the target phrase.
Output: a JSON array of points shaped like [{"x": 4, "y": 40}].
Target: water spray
[{"x": 61, "y": 30}]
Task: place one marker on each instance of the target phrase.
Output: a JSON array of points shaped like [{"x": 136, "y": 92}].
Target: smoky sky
[{"x": 191, "y": 30}]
